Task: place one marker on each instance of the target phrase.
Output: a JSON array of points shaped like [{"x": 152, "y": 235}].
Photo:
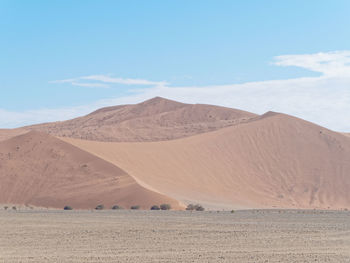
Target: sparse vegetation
[
  {"x": 116, "y": 207},
  {"x": 232, "y": 211},
  {"x": 197, "y": 207},
  {"x": 135, "y": 207},
  {"x": 6, "y": 207},
  {"x": 165, "y": 207},
  {"x": 155, "y": 207},
  {"x": 14, "y": 208},
  {"x": 67, "y": 207},
  {"x": 100, "y": 207}
]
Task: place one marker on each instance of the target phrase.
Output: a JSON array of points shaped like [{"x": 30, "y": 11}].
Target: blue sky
[{"x": 61, "y": 59}]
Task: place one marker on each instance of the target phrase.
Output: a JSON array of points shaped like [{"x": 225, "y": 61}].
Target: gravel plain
[{"x": 174, "y": 236}]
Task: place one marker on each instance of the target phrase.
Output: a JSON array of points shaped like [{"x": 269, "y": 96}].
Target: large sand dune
[
  {"x": 153, "y": 120},
  {"x": 162, "y": 151},
  {"x": 40, "y": 170},
  {"x": 273, "y": 160}
]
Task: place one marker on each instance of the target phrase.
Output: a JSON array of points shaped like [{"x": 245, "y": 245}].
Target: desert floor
[{"x": 174, "y": 236}]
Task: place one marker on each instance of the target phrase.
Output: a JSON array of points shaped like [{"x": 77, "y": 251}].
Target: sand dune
[
  {"x": 157, "y": 119},
  {"x": 273, "y": 161},
  {"x": 40, "y": 170}
]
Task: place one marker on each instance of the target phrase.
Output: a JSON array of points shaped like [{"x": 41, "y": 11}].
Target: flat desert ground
[{"x": 175, "y": 236}]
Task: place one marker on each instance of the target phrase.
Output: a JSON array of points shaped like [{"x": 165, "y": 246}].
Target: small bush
[
  {"x": 155, "y": 207},
  {"x": 100, "y": 207},
  {"x": 135, "y": 207},
  {"x": 6, "y": 207},
  {"x": 232, "y": 211},
  {"x": 192, "y": 207},
  {"x": 14, "y": 208},
  {"x": 116, "y": 207},
  {"x": 67, "y": 207},
  {"x": 165, "y": 207}
]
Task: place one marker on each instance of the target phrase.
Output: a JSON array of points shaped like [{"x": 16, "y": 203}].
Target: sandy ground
[{"x": 174, "y": 236}]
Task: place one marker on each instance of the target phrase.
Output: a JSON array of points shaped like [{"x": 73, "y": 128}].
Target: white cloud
[
  {"x": 324, "y": 100},
  {"x": 333, "y": 64}
]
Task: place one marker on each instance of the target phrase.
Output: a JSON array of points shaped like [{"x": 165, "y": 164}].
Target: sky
[{"x": 63, "y": 59}]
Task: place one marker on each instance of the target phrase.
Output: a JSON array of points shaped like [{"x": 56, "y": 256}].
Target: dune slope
[
  {"x": 40, "y": 170},
  {"x": 157, "y": 119},
  {"x": 273, "y": 161}
]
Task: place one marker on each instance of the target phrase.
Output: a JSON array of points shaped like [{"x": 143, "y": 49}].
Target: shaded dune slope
[
  {"x": 157, "y": 119},
  {"x": 40, "y": 170},
  {"x": 274, "y": 160}
]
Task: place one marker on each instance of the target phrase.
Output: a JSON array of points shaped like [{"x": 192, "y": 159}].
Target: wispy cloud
[
  {"x": 324, "y": 99},
  {"x": 108, "y": 79},
  {"x": 89, "y": 85},
  {"x": 99, "y": 81}
]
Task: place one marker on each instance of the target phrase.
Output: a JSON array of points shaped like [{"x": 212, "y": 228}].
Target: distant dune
[
  {"x": 163, "y": 151},
  {"x": 40, "y": 170},
  {"x": 157, "y": 119},
  {"x": 273, "y": 161},
  {"x": 6, "y": 134}
]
